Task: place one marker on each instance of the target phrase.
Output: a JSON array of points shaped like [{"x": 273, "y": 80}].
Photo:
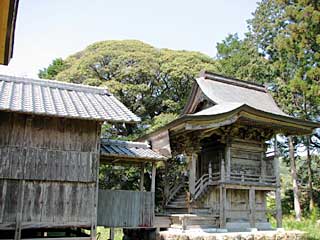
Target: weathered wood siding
[
  {"x": 48, "y": 171},
  {"x": 125, "y": 209},
  {"x": 246, "y": 157}
]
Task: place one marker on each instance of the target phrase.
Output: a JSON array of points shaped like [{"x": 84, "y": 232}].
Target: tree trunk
[
  {"x": 310, "y": 176},
  {"x": 297, "y": 207}
]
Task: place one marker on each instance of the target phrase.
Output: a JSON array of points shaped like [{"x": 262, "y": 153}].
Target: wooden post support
[
  {"x": 263, "y": 165},
  {"x": 278, "y": 186},
  {"x": 142, "y": 178},
  {"x": 228, "y": 159},
  {"x": 93, "y": 232},
  {"x": 111, "y": 234},
  {"x": 192, "y": 173},
  {"x": 210, "y": 171},
  {"x": 222, "y": 170},
  {"x": 17, "y": 235},
  {"x": 252, "y": 206},
  {"x": 223, "y": 206},
  {"x": 166, "y": 182},
  {"x": 153, "y": 177}
]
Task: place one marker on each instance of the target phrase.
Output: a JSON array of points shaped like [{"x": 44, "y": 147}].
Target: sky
[{"x": 48, "y": 29}]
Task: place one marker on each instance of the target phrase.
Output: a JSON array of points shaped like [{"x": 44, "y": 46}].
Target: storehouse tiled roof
[
  {"x": 126, "y": 149},
  {"x": 60, "y": 99}
]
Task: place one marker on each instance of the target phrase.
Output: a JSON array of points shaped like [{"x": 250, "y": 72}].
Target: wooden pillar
[
  {"x": 223, "y": 206},
  {"x": 166, "y": 182},
  {"x": 111, "y": 234},
  {"x": 210, "y": 171},
  {"x": 192, "y": 172},
  {"x": 222, "y": 170},
  {"x": 228, "y": 159},
  {"x": 17, "y": 235},
  {"x": 142, "y": 177},
  {"x": 262, "y": 167},
  {"x": 278, "y": 187},
  {"x": 153, "y": 177},
  {"x": 96, "y": 162},
  {"x": 252, "y": 206}
]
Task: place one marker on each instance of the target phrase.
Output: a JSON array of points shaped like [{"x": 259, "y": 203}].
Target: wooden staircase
[{"x": 178, "y": 201}]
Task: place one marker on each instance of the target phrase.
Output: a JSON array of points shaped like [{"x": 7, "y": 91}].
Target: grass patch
[
  {"x": 103, "y": 233},
  {"x": 307, "y": 225}
]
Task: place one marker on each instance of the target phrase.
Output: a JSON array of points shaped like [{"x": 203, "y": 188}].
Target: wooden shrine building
[{"x": 223, "y": 133}]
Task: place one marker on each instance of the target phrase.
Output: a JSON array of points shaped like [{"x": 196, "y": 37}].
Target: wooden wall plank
[
  {"x": 5, "y": 162},
  {"x": 5, "y": 128},
  {"x": 125, "y": 208},
  {"x": 57, "y": 159},
  {"x": 11, "y": 201},
  {"x": 3, "y": 191}
]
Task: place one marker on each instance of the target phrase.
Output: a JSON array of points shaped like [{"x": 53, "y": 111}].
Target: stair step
[{"x": 176, "y": 206}]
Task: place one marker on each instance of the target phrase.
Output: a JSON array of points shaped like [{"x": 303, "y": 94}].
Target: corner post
[
  {"x": 228, "y": 158},
  {"x": 192, "y": 172},
  {"x": 278, "y": 187},
  {"x": 210, "y": 172},
  {"x": 223, "y": 206},
  {"x": 166, "y": 181},
  {"x": 142, "y": 177},
  {"x": 153, "y": 177},
  {"x": 222, "y": 170},
  {"x": 252, "y": 206}
]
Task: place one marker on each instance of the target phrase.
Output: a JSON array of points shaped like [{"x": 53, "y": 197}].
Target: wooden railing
[
  {"x": 252, "y": 178},
  {"x": 175, "y": 187},
  {"x": 203, "y": 182}
]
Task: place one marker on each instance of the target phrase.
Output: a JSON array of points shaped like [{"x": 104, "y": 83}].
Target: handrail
[
  {"x": 252, "y": 178},
  {"x": 203, "y": 182},
  {"x": 175, "y": 187}
]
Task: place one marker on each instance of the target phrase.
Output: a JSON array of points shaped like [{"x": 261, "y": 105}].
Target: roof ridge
[
  {"x": 125, "y": 143},
  {"x": 232, "y": 81},
  {"x": 55, "y": 84}
]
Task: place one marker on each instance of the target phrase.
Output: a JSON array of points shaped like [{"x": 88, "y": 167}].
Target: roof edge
[
  {"x": 244, "y": 107},
  {"x": 55, "y": 84},
  {"x": 233, "y": 81}
]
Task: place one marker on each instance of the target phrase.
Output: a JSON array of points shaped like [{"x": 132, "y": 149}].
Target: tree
[
  {"x": 287, "y": 33},
  {"x": 148, "y": 80},
  {"x": 53, "y": 69},
  {"x": 241, "y": 59}
]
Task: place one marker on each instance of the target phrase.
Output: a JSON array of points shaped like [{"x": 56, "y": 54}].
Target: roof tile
[{"x": 54, "y": 98}]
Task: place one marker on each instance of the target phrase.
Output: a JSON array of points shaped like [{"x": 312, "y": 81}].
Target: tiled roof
[
  {"x": 126, "y": 149},
  {"x": 54, "y": 98}
]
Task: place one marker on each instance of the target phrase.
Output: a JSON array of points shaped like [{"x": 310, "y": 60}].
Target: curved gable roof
[{"x": 229, "y": 94}]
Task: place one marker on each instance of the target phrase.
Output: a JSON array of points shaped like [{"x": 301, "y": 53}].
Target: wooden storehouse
[
  {"x": 49, "y": 156},
  {"x": 223, "y": 134}
]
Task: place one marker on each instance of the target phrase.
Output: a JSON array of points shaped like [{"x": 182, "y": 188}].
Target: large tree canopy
[{"x": 148, "y": 80}]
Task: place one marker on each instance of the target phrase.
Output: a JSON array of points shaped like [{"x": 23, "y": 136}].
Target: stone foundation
[{"x": 213, "y": 234}]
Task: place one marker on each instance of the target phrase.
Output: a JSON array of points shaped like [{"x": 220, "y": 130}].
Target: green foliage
[
  {"x": 161, "y": 120},
  {"x": 241, "y": 59},
  {"x": 148, "y": 80},
  {"x": 315, "y": 215},
  {"x": 306, "y": 225},
  {"x": 53, "y": 69}
]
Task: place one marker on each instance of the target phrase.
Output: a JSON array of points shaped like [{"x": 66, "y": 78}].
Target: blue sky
[{"x": 49, "y": 29}]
